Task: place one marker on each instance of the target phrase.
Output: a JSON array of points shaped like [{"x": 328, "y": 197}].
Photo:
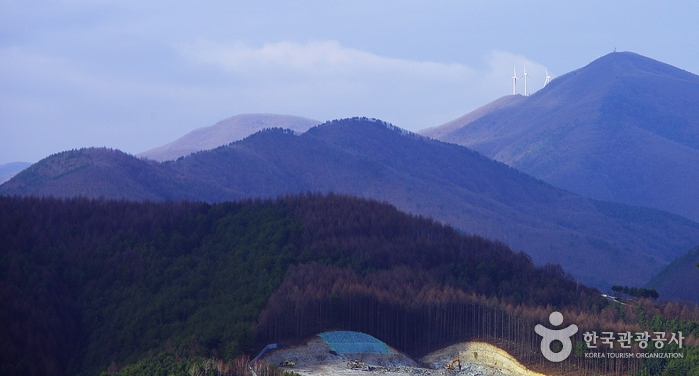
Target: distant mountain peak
[
  {"x": 360, "y": 122},
  {"x": 627, "y": 59},
  {"x": 224, "y": 132},
  {"x": 625, "y": 66},
  {"x": 622, "y": 128}
]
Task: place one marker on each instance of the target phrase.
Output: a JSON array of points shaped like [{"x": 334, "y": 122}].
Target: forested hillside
[
  {"x": 90, "y": 285},
  {"x": 602, "y": 244},
  {"x": 84, "y": 283}
]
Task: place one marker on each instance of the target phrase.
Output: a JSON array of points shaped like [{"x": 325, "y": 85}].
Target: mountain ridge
[
  {"x": 228, "y": 130},
  {"x": 372, "y": 159},
  {"x": 623, "y": 128}
]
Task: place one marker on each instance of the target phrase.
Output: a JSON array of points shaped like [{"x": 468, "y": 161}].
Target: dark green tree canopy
[{"x": 637, "y": 292}]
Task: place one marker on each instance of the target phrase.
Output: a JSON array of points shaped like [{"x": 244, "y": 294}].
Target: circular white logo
[{"x": 550, "y": 335}]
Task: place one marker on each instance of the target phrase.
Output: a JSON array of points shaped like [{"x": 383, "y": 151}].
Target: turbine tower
[
  {"x": 514, "y": 82},
  {"x": 548, "y": 78},
  {"x": 525, "y": 81}
]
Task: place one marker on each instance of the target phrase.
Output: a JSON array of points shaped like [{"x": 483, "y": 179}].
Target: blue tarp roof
[{"x": 343, "y": 342}]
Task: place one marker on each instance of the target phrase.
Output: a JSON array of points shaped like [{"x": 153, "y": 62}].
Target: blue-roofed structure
[{"x": 345, "y": 342}]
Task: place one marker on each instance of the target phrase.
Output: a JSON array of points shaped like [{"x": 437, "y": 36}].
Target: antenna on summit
[
  {"x": 525, "y": 81},
  {"x": 548, "y": 78},
  {"x": 514, "y": 82}
]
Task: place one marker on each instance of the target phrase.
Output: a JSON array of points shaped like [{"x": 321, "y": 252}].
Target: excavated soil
[
  {"x": 480, "y": 353},
  {"x": 313, "y": 358}
]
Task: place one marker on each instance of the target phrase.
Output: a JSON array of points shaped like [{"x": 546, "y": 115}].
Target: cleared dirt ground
[{"x": 313, "y": 358}]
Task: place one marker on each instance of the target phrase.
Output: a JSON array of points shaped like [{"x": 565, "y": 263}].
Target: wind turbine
[
  {"x": 525, "y": 81},
  {"x": 548, "y": 78},
  {"x": 514, "y": 82}
]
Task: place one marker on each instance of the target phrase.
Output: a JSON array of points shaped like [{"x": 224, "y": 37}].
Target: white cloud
[
  {"x": 55, "y": 102},
  {"x": 318, "y": 60},
  {"x": 52, "y": 103},
  {"x": 327, "y": 80}
]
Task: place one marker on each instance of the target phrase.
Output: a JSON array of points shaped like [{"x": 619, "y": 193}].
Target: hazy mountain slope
[
  {"x": 94, "y": 172},
  {"x": 450, "y": 128},
  {"x": 8, "y": 170},
  {"x": 678, "y": 280},
  {"x": 224, "y": 132},
  {"x": 624, "y": 128},
  {"x": 600, "y": 243}
]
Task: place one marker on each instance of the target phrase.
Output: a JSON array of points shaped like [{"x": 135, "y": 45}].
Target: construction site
[{"x": 354, "y": 353}]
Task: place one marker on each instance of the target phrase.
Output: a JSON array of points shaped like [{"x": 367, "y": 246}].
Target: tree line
[{"x": 636, "y": 292}]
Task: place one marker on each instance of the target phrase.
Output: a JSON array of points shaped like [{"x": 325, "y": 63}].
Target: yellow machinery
[
  {"x": 451, "y": 366},
  {"x": 287, "y": 363}
]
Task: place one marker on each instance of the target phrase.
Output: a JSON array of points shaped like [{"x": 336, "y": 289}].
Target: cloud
[
  {"x": 327, "y": 80},
  {"x": 53, "y": 101},
  {"x": 315, "y": 58}
]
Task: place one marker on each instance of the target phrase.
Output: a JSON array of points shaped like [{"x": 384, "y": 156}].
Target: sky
[{"x": 133, "y": 75}]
